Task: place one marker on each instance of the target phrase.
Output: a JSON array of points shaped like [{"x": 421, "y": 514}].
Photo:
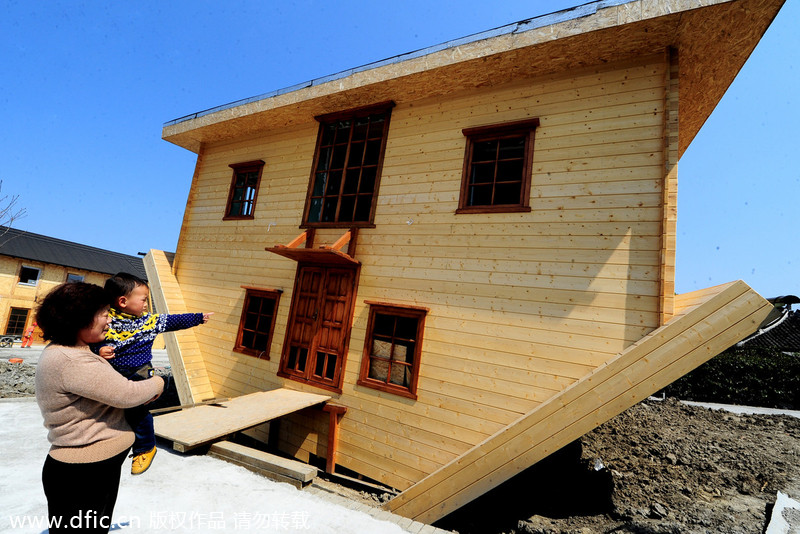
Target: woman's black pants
[{"x": 81, "y": 497}]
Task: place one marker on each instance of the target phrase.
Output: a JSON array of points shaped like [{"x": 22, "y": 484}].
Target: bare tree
[{"x": 9, "y": 211}]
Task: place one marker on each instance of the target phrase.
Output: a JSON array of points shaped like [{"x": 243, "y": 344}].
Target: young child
[{"x": 129, "y": 349}]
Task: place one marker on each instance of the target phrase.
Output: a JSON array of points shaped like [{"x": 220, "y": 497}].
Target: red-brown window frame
[
  {"x": 398, "y": 310},
  {"x": 247, "y": 166},
  {"x": 274, "y": 294},
  {"x": 352, "y": 114},
  {"x": 526, "y": 128}
]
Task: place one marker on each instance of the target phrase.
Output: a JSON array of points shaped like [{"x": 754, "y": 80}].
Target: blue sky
[{"x": 87, "y": 86}]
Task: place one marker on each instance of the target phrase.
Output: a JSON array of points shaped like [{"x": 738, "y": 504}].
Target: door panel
[{"x": 319, "y": 324}]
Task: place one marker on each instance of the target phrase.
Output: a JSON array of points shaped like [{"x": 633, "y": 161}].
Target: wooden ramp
[
  {"x": 706, "y": 323},
  {"x": 201, "y": 425}
]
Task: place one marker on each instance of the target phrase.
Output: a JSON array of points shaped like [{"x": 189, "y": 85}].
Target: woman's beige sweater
[{"x": 81, "y": 398}]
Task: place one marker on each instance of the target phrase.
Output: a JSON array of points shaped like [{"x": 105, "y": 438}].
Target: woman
[{"x": 82, "y": 399}]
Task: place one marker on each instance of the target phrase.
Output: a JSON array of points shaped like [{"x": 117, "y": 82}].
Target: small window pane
[
  {"x": 485, "y": 151},
  {"x": 28, "y": 275},
  {"x": 360, "y": 130},
  {"x": 328, "y": 133},
  {"x": 376, "y": 126},
  {"x": 507, "y": 193},
  {"x": 512, "y": 148},
  {"x": 482, "y": 173},
  {"x": 510, "y": 170},
  {"x": 329, "y": 210},
  {"x": 363, "y": 208},
  {"x": 347, "y": 208},
  {"x": 314, "y": 210},
  {"x": 373, "y": 152},
  {"x": 384, "y": 324},
  {"x": 339, "y": 155},
  {"x": 356, "y": 155},
  {"x": 406, "y": 328},
  {"x": 334, "y": 181},
  {"x": 480, "y": 195},
  {"x": 351, "y": 182},
  {"x": 324, "y": 159},
  {"x": 367, "y": 184},
  {"x": 72, "y": 278}
]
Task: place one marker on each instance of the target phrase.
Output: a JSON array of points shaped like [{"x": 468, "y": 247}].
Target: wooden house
[
  {"x": 469, "y": 249},
  {"x": 32, "y": 264}
]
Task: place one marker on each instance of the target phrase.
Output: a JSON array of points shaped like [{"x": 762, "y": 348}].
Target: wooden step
[{"x": 269, "y": 465}]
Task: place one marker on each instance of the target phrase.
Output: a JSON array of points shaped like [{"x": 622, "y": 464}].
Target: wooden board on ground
[
  {"x": 269, "y": 465},
  {"x": 199, "y": 425}
]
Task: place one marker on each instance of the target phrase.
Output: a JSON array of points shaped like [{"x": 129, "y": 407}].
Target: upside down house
[{"x": 467, "y": 252}]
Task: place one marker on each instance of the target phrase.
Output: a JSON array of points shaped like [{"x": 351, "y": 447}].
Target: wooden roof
[{"x": 713, "y": 39}]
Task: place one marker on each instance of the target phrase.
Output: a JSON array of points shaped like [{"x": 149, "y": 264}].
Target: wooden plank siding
[
  {"x": 522, "y": 305},
  {"x": 698, "y": 333},
  {"x": 191, "y": 379}
]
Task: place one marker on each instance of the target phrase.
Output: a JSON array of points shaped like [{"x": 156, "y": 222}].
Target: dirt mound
[
  {"x": 16, "y": 379},
  {"x": 660, "y": 467}
]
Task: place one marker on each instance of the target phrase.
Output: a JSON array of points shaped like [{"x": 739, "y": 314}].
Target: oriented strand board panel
[
  {"x": 696, "y": 334},
  {"x": 198, "y": 425}
]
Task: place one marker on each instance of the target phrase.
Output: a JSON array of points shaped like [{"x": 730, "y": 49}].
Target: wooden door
[{"x": 319, "y": 325}]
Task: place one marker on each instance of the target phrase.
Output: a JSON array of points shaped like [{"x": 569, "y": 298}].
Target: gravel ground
[{"x": 660, "y": 467}]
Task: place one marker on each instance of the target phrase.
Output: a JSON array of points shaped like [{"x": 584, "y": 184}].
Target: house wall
[
  {"x": 521, "y": 304},
  {"x": 16, "y": 295}
]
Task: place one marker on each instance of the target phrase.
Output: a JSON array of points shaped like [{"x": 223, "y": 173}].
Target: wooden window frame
[
  {"x": 274, "y": 294},
  {"x": 325, "y": 120},
  {"x": 247, "y": 166},
  {"x": 21, "y": 330},
  {"x": 525, "y": 128},
  {"x": 397, "y": 310}
]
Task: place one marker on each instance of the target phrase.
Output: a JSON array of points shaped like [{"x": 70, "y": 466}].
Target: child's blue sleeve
[{"x": 182, "y": 321}]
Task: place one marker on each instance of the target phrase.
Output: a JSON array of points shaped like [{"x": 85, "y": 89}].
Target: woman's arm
[{"x": 90, "y": 376}]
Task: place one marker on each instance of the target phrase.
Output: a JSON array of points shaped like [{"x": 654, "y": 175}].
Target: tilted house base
[
  {"x": 188, "y": 367},
  {"x": 706, "y": 323}
]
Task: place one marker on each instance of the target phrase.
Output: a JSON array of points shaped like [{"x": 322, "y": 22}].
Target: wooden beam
[
  {"x": 335, "y": 411},
  {"x": 699, "y": 332}
]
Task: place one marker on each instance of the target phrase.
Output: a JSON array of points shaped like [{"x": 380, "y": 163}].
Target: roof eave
[{"x": 713, "y": 39}]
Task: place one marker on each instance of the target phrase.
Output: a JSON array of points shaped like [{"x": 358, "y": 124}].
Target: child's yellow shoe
[{"x": 141, "y": 462}]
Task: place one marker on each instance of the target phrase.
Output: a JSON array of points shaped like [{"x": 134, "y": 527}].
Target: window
[
  {"x": 347, "y": 166},
  {"x": 72, "y": 278},
  {"x": 257, "y": 323},
  {"x": 498, "y": 164},
  {"x": 29, "y": 275},
  {"x": 244, "y": 190},
  {"x": 392, "y": 348},
  {"x": 16, "y": 321}
]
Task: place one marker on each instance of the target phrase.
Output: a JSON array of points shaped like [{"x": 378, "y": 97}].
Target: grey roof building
[{"x": 35, "y": 247}]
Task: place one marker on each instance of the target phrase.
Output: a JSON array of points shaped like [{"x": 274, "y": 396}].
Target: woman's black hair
[
  {"x": 68, "y": 309},
  {"x": 121, "y": 285}
]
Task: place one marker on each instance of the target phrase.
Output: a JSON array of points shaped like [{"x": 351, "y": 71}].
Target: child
[{"x": 129, "y": 349}]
